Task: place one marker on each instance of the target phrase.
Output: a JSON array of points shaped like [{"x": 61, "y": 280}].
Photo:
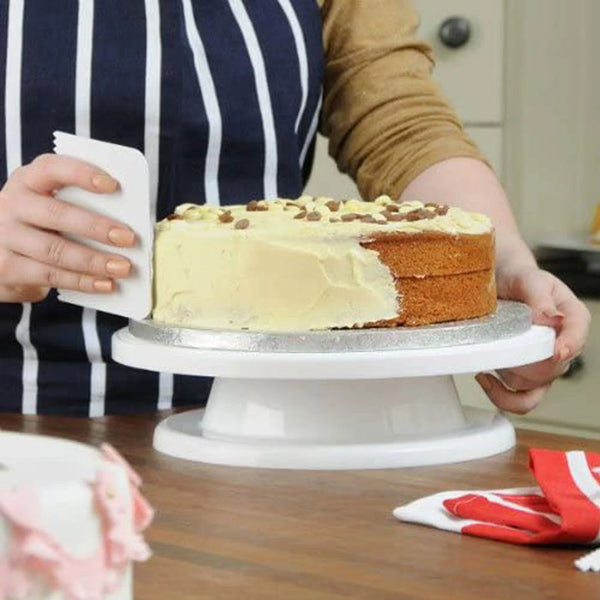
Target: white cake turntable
[{"x": 352, "y": 399}]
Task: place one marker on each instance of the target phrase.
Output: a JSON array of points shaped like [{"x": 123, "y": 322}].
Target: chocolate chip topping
[
  {"x": 394, "y": 217},
  {"x": 431, "y": 204},
  {"x": 300, "y": 215},
  {"x": 333, "y": 205},
  {"x": 442, "y": 210},
  {"x": 173, "y": 217},
  {"x": 315, "y": 215},
  {"x": 418, "y": 214},
  {"x": 252, "y": 206},
  {"x": 242, "y": 224},
  {"x": 350, "y": 217},
  {"x": 334, "y": 220},
  {"x": 392, "y": 208},
  {"x": 368, "y": 219},
  {"x": 226, "y": 217}
]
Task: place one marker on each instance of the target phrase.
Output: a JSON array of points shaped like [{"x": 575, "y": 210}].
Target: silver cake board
[{"x": 350, "y": 399}]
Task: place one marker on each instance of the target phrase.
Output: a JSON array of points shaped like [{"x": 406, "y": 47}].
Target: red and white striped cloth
[{"x": 564, "y": 509}]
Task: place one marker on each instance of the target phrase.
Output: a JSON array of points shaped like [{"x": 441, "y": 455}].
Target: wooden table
[{"x": 233, "y": 533}]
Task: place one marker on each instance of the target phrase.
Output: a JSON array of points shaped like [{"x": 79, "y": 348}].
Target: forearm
[{"x": 472, "y": 185}]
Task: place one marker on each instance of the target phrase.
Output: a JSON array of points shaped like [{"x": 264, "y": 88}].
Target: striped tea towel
[{"x": 564, "y": 509}]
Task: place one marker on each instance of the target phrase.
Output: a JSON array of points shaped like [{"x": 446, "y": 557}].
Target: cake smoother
[
  {"x": 317, "y": 263},
  {"x": 130, "y": 204}
]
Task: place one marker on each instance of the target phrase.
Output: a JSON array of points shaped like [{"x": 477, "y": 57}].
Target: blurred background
[{"x": 524, "y": 76}]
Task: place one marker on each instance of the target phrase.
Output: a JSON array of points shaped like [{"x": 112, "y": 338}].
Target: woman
[{"x": 223, "y": 98}]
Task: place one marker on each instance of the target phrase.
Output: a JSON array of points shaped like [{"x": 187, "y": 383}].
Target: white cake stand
[{"x": 337, "y": 400}]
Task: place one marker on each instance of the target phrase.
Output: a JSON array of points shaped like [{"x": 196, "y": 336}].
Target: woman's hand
[
  {"x": 470, "y": 184},
  {"x": 34, "y": 256},
  {"x": 553, "y": 304}
]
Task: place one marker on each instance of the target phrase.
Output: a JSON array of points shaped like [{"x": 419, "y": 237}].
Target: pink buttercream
[{"x": 34, "y": 556}]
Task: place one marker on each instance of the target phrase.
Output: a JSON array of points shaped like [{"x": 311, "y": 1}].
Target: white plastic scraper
[{"x": 130, "y": 204}]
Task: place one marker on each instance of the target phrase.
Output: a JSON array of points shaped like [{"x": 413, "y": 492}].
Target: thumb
[{"x": 536, "y": 291}]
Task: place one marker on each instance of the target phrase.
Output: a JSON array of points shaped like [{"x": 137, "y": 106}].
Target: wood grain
[{"x": 230, "y": 533}]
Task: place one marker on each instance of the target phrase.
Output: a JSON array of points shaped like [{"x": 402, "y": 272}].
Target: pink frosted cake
[{"x": 71, "y": 521}]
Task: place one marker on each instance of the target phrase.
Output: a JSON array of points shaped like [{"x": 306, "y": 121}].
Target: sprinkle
[{"x": 242, "y": 224}]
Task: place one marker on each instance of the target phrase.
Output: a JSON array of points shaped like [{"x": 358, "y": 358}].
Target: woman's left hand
[{"x": 553, "y": 304}]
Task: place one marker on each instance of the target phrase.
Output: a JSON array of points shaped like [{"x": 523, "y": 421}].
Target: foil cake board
[{"x": 510, "y": 319}]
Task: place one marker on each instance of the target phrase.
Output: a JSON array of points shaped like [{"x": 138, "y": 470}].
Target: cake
[
  {"x": 71, "y": 521},
  {"x": 317, "y": 263}
]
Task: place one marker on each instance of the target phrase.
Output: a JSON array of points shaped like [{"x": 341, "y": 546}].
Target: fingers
[
  {"x": 22, "y": 205},
  {"x": 575, "y": 327},
  {"x": 534, "y": 375},
  {"x": 518, "y": 402},
  {"x": 49, "y": 172},
  {"x": 21, "y": 271},
  {"x": 55, "y": 250}
]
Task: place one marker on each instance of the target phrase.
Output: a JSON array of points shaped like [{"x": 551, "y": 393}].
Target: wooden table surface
[{"x": 239, "y": 533}]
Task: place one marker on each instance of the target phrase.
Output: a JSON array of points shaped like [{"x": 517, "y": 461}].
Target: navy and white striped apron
[{"x": 222, "y": 96}]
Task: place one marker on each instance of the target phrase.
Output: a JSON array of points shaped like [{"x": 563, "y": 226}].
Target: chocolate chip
[
  {"x": 431, "y": 205},
  {"x": 226, "y": 217},
  {"x": 333, "y": 205},
  {"x": 300, "y": 215},
  {"x": 315, "y": 215},
  {"x": 367, "y": 219},
  {"x": 442, "y": 210},
  {"x": 252, "y": 206},
  {"x": 393, "y": 217},
  {"x": 262, "y": 207},
  {"x": 173, "y": 217},
  {"x": 418, "y": 214},
  {"x": 350, "y": 217},
  {"x": 392, "y": 207},
  {"x": 334, "y": 220},
  {"x": 242, "y": 224}
]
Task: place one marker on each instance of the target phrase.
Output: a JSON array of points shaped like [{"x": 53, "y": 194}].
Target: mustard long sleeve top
[{"x": 386, "y": 119}]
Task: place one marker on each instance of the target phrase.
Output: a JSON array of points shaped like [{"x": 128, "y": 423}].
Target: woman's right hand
[{"x": 34, "y": 256}]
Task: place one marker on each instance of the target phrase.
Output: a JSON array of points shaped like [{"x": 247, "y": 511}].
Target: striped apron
[{"x": 222, "y": 97}]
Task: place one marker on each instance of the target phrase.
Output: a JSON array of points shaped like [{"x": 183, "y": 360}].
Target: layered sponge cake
[{"x": 318, "y": 263}]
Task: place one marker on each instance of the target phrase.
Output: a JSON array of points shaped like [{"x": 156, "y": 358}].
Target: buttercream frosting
[{"x": 287, "y": 265}]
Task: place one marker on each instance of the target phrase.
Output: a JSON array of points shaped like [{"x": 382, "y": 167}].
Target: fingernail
[
  {"x": 484, "y": 381},
  {"x": 121, "y": 237},
  {"x": 119, "y": 267},
  {"x": 103, "y": 285},
  {"x": 105, "y": 183},
  {"x": 552, "y": 313}
]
